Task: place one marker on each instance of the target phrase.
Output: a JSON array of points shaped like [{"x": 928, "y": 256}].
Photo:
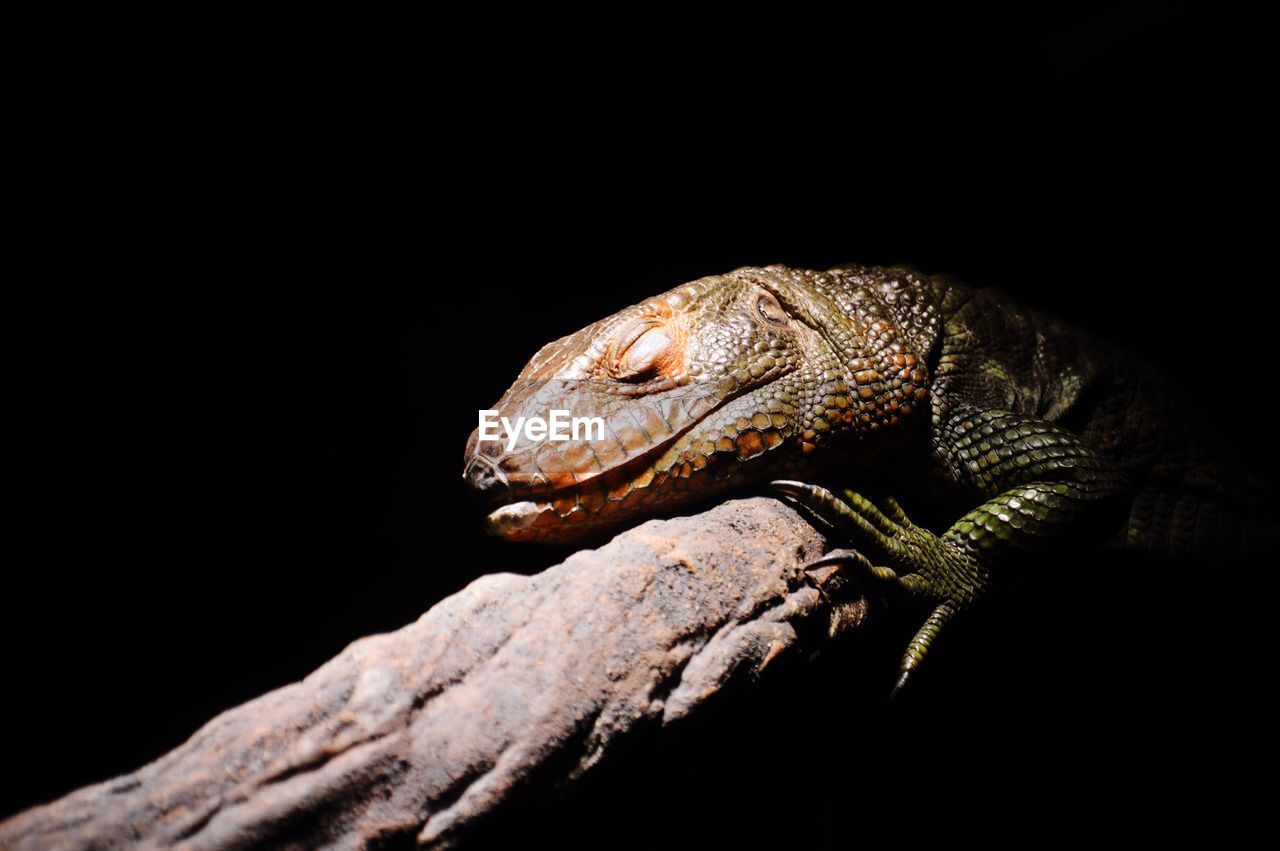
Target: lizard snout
[{"x": 485, "y": 482}]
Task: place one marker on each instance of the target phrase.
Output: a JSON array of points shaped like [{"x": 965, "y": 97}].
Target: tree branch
[{"x": 515, "y": 680}]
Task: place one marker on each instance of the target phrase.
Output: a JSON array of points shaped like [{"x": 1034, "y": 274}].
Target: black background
[{"x": 274, "y": 300}]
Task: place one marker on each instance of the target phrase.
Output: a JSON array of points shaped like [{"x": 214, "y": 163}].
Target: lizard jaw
[{"x": 512, "y": 519}]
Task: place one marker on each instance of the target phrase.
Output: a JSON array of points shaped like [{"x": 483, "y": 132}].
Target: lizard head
[{"x": 717, "y": 383}]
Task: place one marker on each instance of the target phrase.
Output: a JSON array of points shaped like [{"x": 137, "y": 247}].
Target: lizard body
[{"x": 1017, "y": 432}]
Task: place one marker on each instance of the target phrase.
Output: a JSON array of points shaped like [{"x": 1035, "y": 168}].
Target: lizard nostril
[{"x": 485, "y": 481}]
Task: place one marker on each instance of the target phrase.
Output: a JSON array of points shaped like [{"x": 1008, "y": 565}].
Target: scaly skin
[{"x": 1022, "y": 433}]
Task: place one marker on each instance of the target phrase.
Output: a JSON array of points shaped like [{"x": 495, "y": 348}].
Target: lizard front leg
[{"x": 1041, "y": 486}]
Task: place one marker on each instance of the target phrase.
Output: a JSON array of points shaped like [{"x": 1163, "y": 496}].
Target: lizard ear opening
[{"x": 768, "y": 309}]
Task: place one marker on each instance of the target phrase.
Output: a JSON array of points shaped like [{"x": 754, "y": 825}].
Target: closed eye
[{"x": 641, "y": 351}]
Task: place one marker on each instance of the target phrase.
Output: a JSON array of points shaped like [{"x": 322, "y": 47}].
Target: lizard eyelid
[{"x": 640, "y": 351}]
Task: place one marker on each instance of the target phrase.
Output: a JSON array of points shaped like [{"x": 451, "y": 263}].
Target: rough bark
[{"x": 515, "y": 680}]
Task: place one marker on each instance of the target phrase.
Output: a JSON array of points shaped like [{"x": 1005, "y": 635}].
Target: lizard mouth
[
  {"x": 524, "y": 506},
  {"x": 535, "y": 501},
  {"x": 590, "y": 501}
]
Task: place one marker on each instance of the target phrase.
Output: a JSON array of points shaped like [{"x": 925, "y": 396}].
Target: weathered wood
[{"x": 515, "y": 680}]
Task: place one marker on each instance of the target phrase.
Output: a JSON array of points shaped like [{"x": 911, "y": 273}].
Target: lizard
[{"x": 1024, "y": 433}]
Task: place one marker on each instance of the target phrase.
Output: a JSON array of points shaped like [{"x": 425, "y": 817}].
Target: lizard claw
[
  {"x": 854, "y": 564},
  {"x": 937, "y": 572}
]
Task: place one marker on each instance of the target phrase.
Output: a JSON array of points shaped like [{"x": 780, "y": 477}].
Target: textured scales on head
[{"x": 713, "y": 384}]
